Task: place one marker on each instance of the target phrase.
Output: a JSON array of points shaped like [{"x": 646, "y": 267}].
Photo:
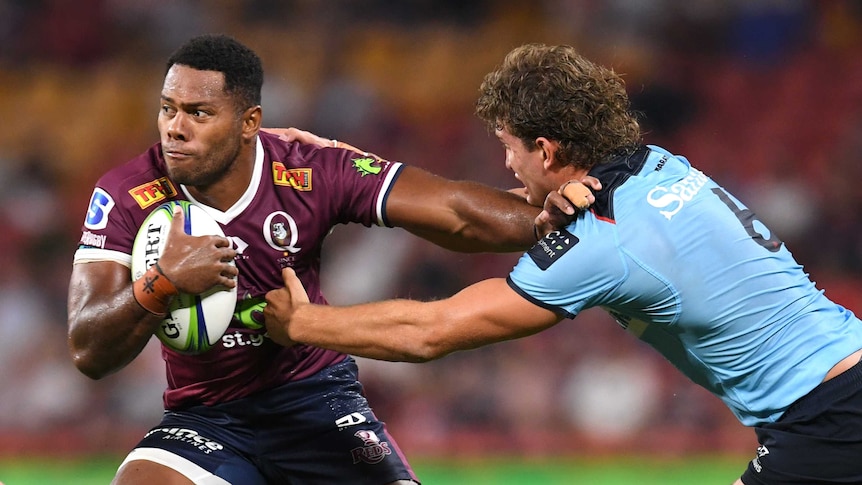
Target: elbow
[
  {"x": 87, "y": 367},
  {"x": 431, "y": 346},
  {"x": 87, "y": 363}
]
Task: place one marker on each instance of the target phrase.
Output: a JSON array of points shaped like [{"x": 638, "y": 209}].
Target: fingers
[
  {"x": 289, "y": 134},
  {"x": 543, "y": 218},
  {"x": 578, "y": 194},
  {"x": 555, "y": 200},
  {"x": 592, "y": 182},
  {"x": 286, "y": 134},
  {"x": 294, "y": 286}
]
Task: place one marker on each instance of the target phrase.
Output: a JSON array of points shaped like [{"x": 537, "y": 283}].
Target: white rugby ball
[{"x": 194, "y": 322}]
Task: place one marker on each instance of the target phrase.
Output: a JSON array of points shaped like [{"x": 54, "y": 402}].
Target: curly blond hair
[{"x": 553, "y": 92}]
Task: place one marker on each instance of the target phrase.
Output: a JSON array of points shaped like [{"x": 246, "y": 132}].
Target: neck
[{"x": 227, "y": 190}]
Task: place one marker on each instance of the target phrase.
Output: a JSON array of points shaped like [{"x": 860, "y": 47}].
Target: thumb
[
  {"x": 178, "y": 221},
  {"x": 294, "y": 286}
]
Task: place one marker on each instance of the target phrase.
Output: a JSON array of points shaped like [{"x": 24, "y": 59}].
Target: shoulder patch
[
  {"x": 367, "y": 166},
  {"x": 552, "y": 247},
  {"x": 101, "y": 204}
]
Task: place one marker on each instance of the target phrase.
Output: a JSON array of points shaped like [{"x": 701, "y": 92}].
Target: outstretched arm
[
  {"x": 405, "y": 330},
  {"x": 471, "y": 217},
  {"x": 468, "y": 216}
]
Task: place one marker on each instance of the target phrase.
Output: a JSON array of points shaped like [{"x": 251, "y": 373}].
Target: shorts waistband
[{"x": 838, "y": 387}]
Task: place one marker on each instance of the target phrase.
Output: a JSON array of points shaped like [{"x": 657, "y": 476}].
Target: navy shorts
[
  {"x": 318, "y": 430},
  {"x": 817, "y": 441}
]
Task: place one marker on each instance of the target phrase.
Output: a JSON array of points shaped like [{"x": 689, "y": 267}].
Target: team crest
[
  {"x": 372, "y": 451},
  {"x": 280, "y": 232}
]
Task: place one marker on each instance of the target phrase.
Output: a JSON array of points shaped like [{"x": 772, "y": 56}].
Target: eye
[
  {"x": 168, "y": 110},
  {"x": 199, "y": 113}
]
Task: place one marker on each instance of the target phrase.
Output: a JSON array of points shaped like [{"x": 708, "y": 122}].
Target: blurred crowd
[{"x": 763, "y": 95}]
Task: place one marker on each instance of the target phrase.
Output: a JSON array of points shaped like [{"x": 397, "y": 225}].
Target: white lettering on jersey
[
  {"x": 678, "y": 194},
  {"x": 238, "y": 244}
]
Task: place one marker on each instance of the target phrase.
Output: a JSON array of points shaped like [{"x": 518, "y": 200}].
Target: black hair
[{"x": 242, "y": 68}]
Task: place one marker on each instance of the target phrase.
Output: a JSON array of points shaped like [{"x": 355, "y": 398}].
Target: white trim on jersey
[
  {"x": 177, "y": 463},
  {"x": 244, "y": 201},
  {"x": 384, "y": 192},
  {"x": 90, "y": 255}
]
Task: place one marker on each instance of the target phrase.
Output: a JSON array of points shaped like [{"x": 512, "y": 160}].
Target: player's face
[
  {"x": 200, "y": 126},
  {"x": 528, "y": 165}
]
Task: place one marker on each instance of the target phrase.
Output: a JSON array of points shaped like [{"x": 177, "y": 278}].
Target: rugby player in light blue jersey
[{"x": 678, "y": 261}]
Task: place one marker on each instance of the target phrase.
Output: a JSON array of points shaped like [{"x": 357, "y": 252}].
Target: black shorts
[
  {"x": 318, "y": 430},
  {"x": 818, "y": 440}
]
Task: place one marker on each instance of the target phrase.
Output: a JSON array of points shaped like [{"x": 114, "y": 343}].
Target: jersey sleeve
[
  {"x": 340, "y": 186},
  {"x": 121, "y": 200},
  {"x": 362, "y": 184},
  {"x": 560, "y": 272}
]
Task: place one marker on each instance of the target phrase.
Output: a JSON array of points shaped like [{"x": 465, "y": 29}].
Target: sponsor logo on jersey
[
  {"x": 297, "y": 178},
  {"x": 368, "y": 166},
  {"x": 372, "y": 451},
  {"x": 101, "y": 204},
  {"x": 153, "y": 192},
  {"x": 189, "y": 436},
  {"x": 552, "y": 247},
  {"x": 674, "y": 198},
  {"x": 93, "y": 240}
]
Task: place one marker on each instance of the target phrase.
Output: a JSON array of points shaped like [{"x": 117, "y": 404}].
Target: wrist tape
[{"x": 154, "y": 291}]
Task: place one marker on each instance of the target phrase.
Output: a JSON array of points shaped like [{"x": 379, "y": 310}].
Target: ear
[
  {"x": 549, "y": 150},
  {"x": 251, "y": 121}
]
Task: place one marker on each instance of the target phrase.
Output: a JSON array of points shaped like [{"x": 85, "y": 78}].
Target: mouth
[
  {"x": 518, "y": 178},
  {"x": 175, "y": 154}
]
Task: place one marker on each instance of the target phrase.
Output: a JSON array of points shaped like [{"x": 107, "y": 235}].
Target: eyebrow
[{"x": 196, "y": 104}]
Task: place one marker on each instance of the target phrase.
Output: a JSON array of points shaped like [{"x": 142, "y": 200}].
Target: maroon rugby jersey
[{"x": 298, "y": 193}]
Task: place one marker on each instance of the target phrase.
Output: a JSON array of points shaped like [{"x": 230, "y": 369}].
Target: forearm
[
  {"x": 394, "y": 330},
  {"x": 461, "y": 215}
]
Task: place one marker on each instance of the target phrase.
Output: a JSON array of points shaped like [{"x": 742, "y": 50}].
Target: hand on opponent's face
[{"x": 561, "y": 206}]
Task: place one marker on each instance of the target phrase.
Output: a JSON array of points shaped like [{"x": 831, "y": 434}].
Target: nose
[{"x": 175, "y": 127}]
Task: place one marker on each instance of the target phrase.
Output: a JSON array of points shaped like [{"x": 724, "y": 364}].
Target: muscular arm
[
  {"x": 460, "y": 215},
  {"x": 406, "y": 330},
  {"x": 107, "y": 327}
]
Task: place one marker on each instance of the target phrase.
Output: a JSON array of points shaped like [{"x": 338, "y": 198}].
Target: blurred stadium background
[{"x": 763, "y": 95}]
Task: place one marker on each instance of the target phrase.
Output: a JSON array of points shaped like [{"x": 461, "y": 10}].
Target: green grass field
[{"x": 496, "y": 471}]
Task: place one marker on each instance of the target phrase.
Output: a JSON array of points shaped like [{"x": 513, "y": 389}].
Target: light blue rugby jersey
[{"x": 687, "y": 268}]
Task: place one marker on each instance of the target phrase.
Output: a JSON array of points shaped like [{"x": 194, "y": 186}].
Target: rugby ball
[{"x": 194, "y": 322}]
